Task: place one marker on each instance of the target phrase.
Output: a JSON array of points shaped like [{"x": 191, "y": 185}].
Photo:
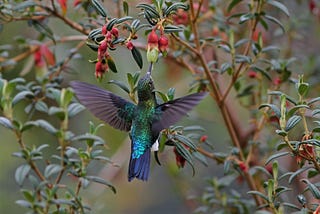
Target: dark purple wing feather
[
  {"x": 105, "y": 105},
  {"x": 171, "y": 112}
]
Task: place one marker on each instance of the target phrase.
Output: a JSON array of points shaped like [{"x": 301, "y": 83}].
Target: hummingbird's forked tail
[{"x": 139, "y": 167}]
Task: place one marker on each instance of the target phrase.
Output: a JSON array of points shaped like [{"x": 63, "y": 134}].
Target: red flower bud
[
  {"x": 180, "y": 161},
  {"x": 103, "y": 47},
  {"x": 203, "y": 138},
  {"x": 252, "y": 74},
  {"x": 181, "y": 17},
  {"x": 100, "y": 69},
  {"x": 163, "y": 43},
  {"x": 277, "y": 81},
  {"x": 104, "y": 30},
  {"x": 153, "y": 39},
  {"x": 129, "y": 45},
  {"x": 115, "y": 32},
  {"x": 243, "y": 167}
]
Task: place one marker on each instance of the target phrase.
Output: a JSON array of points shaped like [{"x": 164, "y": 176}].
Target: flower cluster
[{"x": 155, "y": 44}]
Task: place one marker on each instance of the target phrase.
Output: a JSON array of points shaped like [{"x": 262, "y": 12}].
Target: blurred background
[{"x": 169, "y": 189}]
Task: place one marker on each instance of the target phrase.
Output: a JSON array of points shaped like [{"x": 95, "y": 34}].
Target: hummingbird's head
[{"x": 145, "y": 87}]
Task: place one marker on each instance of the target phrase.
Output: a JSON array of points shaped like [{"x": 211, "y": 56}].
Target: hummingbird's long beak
[{"x": 150, "y": 68}]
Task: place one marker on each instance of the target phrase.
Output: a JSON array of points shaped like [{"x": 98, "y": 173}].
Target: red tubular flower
[
  {"x": 153, "y": 39},
  {"x": 243, "y": 167},
  {"x": 129, "y": 45},
  {"x": 203, "y": 138},
  {"x": 252, "y": 74},
  {"x": 163, "y": 43},
  {"x": 115, "y": 32},
  {"x": 180, "y": 161},
  {"x": 104, "y": 30}
]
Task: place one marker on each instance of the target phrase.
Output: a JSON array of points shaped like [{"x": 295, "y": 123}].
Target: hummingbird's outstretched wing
[
  {"x": 105, "y": 105},
  {"x": 171, "y": 112}
]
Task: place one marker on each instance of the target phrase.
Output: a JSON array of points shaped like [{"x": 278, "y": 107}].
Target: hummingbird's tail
[{"x": 139, "y": 167}]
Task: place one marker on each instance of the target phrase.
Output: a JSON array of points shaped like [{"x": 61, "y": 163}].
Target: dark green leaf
[
  {"x": 279, "y": 5},
  {"x": 277, "y": 155},
  {"x": 112, "y": 65},
  {"x": 47, "y": 126},
  {"x": 262, "y": 71},
  {"x": 172, "y": 29},
  {"x": 292, "y": 122},
  {"x": 137, "y": 56},
  {"x": 42, "y": 28},
  {"x": 24, "y": 5},
  {"x": 100, "y": 9},
  {"x": 63, "y": 201},
  {"x": 74, "y": 109},
  {"x": 200, "y": 157},
  {"x": 292, "y": 206},
  {"x": 6, "y": 123},
  {"x": 295, "y": 108},
  {"x": 121, "y": 84},
  {"x": 87, "y": 137},
  {"x": 258, "y": 194},
  {"x": 233, "y": 4},
  {"x": 101, "y": 181},
  {"x": 245, "y": 17},
  {"x": 186, "y": 141},
  {"x": 312, "y": 173},
  {"x": 313, "y": 188},
  {"x": 273, "y": 107},
  {"x": 28, "y": 125},
  {"x": 303, "y": 88},
  {"x": 276, "y": 21},
  {"x": 184, "y": 152},
  {"x": 193, "y": 128},
  {"x": 125, "y": 7},
  {"x": 270, "y": 48},
  {"x": 59, "y": 112},
  {"x": 317, "y": 99},
  {"x": 226, "y": 167},
  {"x": 41, "y": 106},
  {"x": 296, "y": 173},
  {"x": 21, "y": 95},
  {"x": 241, "y": 42},
  {"x": 21, "y": 173},
  {"x": 51, "y": 170},
  {"x": 28, "y": 195}
]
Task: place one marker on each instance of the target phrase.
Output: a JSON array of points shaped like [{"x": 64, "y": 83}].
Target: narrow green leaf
[
  {"x": 47, "y": 126},
  {"x": 273, "y": 107},
  {"x": 317, "y": 99},
  {"x": 295, "y": 108},
  {"x": 312, "y": 173},
  {"x": 233, "y": 4},
  {"x": 21, "y": 173},
  {"x": 24, "y": 203},
  {"x": 279, "y": 5},
  {"x": 74, "y": 109},
  {"x": 121, "y": 84},
  {"x": 296, "y": 173},
  {"x": 6, "y": 122},
  {"x": 137, "y": 56},
  {"x": 88, "y": 137},
  {"x": 200, "y": 157},
  {"x": 276, "y": 21},
  {"x": 185, "y": 154},
  {"x": 112, "y": 65},
  {"x": 125, "y": 7},
  {"x": 292, "y": 122},
  {"x": 292, "y": 206},
  {"x": 42, "y": 28},
  {"x": 41, "y": 106},
  {"x": 101, "y": 181},
  {"x": 100, "y": 9},
  {"x": 245, "y": 17},
  {"x": 277, "y": 155},
  {"x": 186, "y": 141},
  {"x": 258, "y": 194},
  {"x": 59, "y": 112},
  {"x": 21, "y": 95},
  {"x": 313, "y": 188},
  {"x": 51, "y": 170}
]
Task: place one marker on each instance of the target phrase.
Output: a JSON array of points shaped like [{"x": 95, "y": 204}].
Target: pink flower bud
[
  {"x": 129, "y": 45},
  {"x": 115, "y": 32},
  {"x": 163, "y": 43},
  {"x": 153, "y": 39}
]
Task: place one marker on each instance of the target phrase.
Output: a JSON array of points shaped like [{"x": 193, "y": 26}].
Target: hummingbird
[{"x": 144, "y": 121}]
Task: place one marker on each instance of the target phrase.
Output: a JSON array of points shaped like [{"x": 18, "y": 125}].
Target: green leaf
[
  {"x": 88, "y": 136},
  {"x": 245, "y": 17},
  {"x": 21, "y": 95},
  {"x": 317, "y": 99},
  {"x": 101, "y": 181},
  {"x": 51, "y": 170},
  {"x": 303, "y": 88},
  {"x": 112, "y": 65},
  {"x": 313, "y": 188},
  {"x": 233, "y": 4},
  {"x": 41, "y": 106},
  {"x": 63, "y": 201},
  {"x": 121, "y": 84},
  {"x": 24, "y": 5},
  {"x": 292, "y": 122},
  {"x": 194, "y": 128},
  {"x": 295, "y": 108},
  {"x": 292, "y": 206},
  {"x": 47, "y": 126},
  {"x": 172, "y": 29},
  {"x": 27, "y": 194},
  {"x": 277, "y": 155},
  {"x": 276, "y": 21},
  {"x": 184, "y": 152},
  {"x": 6, "y": 122},
  {"x": 312, "y": 173},
  {"x": 59, "y": 112},
  {"x": 65, "y": 97},
  {"x": 28, "y": 125},
  {"x": 100, "y": 9},
  {"x": 43, "y": 29},
  {"x": 262, "y": 71},
  {"x": 125, "y": 7},
  {"x": 200, "y": 157},
  {"x": 21, "y": 173},
  {"x": 273, "y": 107},
  {"x": 258, "y": 194},
  {"x": 74, "y": 109},
  {"x": 137, "y": 56},
  {"x": 186, "y": 141},
  {"x": 280, "y": 6},
  {"x": 24, "y": 203},
  {"x": 296, "y": 173}
]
